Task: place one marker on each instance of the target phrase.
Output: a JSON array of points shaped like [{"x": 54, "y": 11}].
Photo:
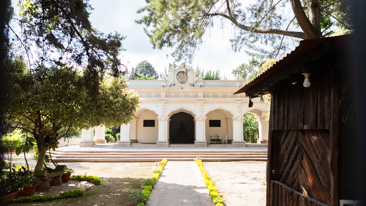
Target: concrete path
[{"x": 180, "y": 184}]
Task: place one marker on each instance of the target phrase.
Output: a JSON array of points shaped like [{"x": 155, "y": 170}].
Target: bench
[{"x": 44, "y": 176}]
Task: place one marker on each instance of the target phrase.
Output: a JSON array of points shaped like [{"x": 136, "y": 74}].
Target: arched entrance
[{"x": 181, "y": 128}]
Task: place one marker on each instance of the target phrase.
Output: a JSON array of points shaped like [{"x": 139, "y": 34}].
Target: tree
[
  {"x": 244, "y": 71},
  {"x": 250, "y": 128},
  {"x": 181, "y": 24},
  {"x": 48, "y": 99},
  {"x": 145, "y": 69},
  {"x": 212, "y": 75},
  {"x": 65, "y": 85},
  {"x": 62, "y": 28}
]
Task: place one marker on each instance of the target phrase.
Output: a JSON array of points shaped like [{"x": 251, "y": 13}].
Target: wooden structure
[{"x": 307, "y": 162}]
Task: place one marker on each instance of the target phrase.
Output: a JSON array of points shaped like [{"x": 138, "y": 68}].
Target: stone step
[
  {"x": 151, "y": 159},
  {"x": 113, "y": 152},
  {"x": 157, "y": 156}
]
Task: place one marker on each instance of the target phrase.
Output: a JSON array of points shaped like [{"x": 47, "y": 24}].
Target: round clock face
[{"x": 182, "y": 77}]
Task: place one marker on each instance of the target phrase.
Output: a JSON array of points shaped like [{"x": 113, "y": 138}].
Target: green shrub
[
  {"x": 93, "y": 179},
  {"x": 109, "y": 138},
  {"x": 148, "y": 188},
  {"x": 108, "y": 131},
  {"x": 118, "y": 136},
  {"x": 146, "y": 192},
  {"x": 137, "y": 197},
  {"x": 71, "y": 193},
  {"x": 157, "y": 171},
  {"x": 149, "y": 182},
  {"x": 140, "y": 204}
]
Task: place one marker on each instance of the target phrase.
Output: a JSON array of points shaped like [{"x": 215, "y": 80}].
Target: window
[
  {"x": 149, "y": 123},
  {"x": 215, "y": 123}
]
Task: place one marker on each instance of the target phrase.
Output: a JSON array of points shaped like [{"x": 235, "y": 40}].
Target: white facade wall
[
  {"x": 204, "y": 100},
  {"x": 147, "y": 134}
]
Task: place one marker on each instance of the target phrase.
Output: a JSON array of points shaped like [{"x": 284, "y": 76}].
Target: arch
[
  {"x": 226, "y": 112},
  {"x": 142, "y": 110},
  {"x": 226, "y": 126},
  {"x": 185, "y": 110},
  {"x": 181, "y": 128},
  {"x": 146, "y": 133},
  {"x": 255, "y": 112}
]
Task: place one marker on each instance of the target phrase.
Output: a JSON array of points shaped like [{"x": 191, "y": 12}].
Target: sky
[{"x": 214, "y": 53}]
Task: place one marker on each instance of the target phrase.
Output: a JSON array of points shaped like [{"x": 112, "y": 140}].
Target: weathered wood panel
[
  {"x": 284, "y": 196},
  {"x": 301, "y": 160},
  {"x": 296, "y": 107}
]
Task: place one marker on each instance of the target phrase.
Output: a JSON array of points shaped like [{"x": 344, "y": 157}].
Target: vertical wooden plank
[
  {"x": 327, "y": 101},
  {"x": 286, "y": 101},
  {"x": 295, "y": 106},
  {"x": 313, "y": 103},
  {"x": 335, "y": 133},
  {"x": 321, "y": 109},
  {"x": 269, "y": 199},
  {"x": 307, "y": 99},
  {"x": 281, "y": 111},
  {"x": 290, "y": 95},
  {"x": 269, "y": 194},
  {"x": 301, "y": 102},
  {"x": 272, "y": 116}
]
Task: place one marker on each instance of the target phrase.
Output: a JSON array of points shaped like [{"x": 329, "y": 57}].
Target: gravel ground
[{"x": 239, "y": 183}]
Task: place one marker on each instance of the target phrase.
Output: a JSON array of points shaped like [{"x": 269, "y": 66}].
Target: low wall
[{"x": 69, "y": 141}]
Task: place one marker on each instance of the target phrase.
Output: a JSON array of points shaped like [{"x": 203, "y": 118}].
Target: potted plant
[
  {"x": 67, "y": 174},
  {"x": 29, "y": 185}
]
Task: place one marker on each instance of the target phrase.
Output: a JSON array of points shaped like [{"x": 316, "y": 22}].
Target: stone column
[
  {"x": 163, "y": 132},
  {"x": 263, "y": 130},
  {"x": 238, "y": 140},
  {"x": 200, "y": 132},
  {"x": 133, "y": 131},
  {"x": 87, "y": 138},
  {"x": 125, "y": 135},
  {"x": 230, "y": 128},
  {"x": 99, "y": 134}
]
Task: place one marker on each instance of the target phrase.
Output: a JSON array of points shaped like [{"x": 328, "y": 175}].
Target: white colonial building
[{"x": 184, "y": 109}]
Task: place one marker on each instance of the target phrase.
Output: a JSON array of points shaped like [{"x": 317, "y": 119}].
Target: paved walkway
[{"x": 180, "y": 184}]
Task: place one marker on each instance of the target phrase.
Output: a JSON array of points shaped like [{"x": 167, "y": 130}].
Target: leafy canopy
[
  {"x": 50, "y": 99},
  {"x": 144, "y": 70},
  {"x": 182, "y": 24}
]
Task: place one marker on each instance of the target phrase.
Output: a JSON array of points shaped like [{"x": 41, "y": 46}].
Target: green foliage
[
  {"x": 212, "y": 75},
  {"x": 145, "y": 71},
  {"x": 157, "y": 171},
  {"x": 49, "y": 99},
  {"x": 65, "y": 194},
  {"x": 118, "y": 137},
  {"x": 12, "y": 140},
  {"x": 149, "y": 182},
  {"x": 93, "y": 179},
  {"x": 68, "y": 171},
  {"x": 250, "y": 128},
  {"x": 137, "y": 197},
  {"x": 182, "y": 24},
  {"x": 109, "y": 138}
]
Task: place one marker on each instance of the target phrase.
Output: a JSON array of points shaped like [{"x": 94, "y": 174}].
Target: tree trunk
[
  {"x": 42, "y": 149},
  {"x": 314, "y": 15}
]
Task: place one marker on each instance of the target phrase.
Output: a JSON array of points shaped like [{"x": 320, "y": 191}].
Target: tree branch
[
  {"x": 337, "y": 19},
  {"x": 26, "y": 50},
  {"x": 303, "y": 20},
  {"x": 278, "y": 51},
  {"x": 300, "y": 35}
]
